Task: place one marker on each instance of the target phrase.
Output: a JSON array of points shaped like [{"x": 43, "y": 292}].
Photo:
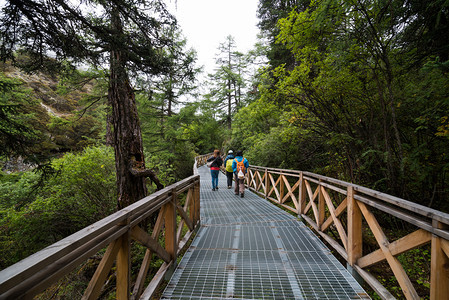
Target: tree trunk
[{"x": 126, "y": 133}]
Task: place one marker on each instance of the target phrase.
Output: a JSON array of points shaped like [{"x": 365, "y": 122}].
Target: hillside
[{"x": 53, "y": 108}]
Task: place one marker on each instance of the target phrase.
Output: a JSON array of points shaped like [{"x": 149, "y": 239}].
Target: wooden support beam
[
  {"x": 405, "y": 283},
  {"x": 141, "y": 277},
  {"x": 331, "y": 208},
  {"x": 123, "y": 268},
  {"x": 406, "y": 243},
  {"x": 267, "y": 183},
  {"x": 170, "y": 227},
  {"x": 355, "y": 240},
  {"x": 145, "y": 239},
  {"x": 439, "y": 267},
  {"x": 302, "y": 195},
  {"x": 96, "y": 283},
  {"x": 184, "y": 216},
  {"x": 321, "y": 206},
  {"x": 291, "y": 192},
  {"x": 281, "y": 187},
  {"x": 338, "y": 211}
]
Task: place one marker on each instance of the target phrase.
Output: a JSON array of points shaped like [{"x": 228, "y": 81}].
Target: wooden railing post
[
  {"x": 355, "y": 241},
  {"x": 195, "y": 203},
  {"x": 267, "y": 183},
  {"x": 256, "y": 187},
  {"x": 302, "y": 194},
  {"x": 170, "y": 226},
  {"x": 124, "y": 267},
  {"x": 321, "y": 206},
  {"x": 439, "y": 266},
  {"x": 281, "y": 187}
]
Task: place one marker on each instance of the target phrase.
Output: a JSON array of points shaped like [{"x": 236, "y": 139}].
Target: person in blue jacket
[
  {"x": 239, "y": 164},
  {"x": 228, "y": 166}
]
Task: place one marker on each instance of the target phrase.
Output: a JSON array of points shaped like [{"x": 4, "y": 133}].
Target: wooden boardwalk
[{"x": 247, "y": 248}]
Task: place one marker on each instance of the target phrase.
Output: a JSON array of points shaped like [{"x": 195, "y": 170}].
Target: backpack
[
  {"x": 229, "y": 165},
  {"x": 240, "y": 168}
]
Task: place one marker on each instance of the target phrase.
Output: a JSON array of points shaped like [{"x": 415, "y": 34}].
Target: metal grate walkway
[{"x": 248, "y": 248}]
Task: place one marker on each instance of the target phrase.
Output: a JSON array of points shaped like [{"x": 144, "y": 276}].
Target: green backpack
[{"x": 229, "y": 165}]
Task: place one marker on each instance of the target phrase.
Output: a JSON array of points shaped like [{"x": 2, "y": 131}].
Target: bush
[{"x": 82, "y": 192}]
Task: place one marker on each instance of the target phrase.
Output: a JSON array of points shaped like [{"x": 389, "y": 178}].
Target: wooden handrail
[
  {"x": 321, "y": 202},
  {"x": 35, "y": 273}
]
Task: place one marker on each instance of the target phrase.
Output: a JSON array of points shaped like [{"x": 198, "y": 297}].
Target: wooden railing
[
  {"x": 341, "y": 213},
  {"x": 181, "y": 201}
]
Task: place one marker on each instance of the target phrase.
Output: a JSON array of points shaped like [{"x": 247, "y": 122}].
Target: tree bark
[{"x": 126, "y": 132}]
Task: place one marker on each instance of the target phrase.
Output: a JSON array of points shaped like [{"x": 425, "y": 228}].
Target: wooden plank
[
  {"x": 170, "y": 228},
  {"x": 312, "y": 197},
  {"x": 156, "y": 281},
  {"x": 445, "y": 247},
  {"x": 43, "y": 278},
  {"x": 26, "y": 268},
  {"x": 331, "y": 208},
  {"x": 321, "y": 206},
  {"x": 290, "y": 192},
  {"x": 405, "y": 283},
  {"x": 261, "y": 182},
  {"x": 141, "y": 277},
  {"x": 439, "y": 270},
  {"x": 412, "y": 219},
  {"x": 334, "y": 244},
  {"x": 145, "y": 239},
  {"x": 281, "y": 187},
  {"x": 123, "y": 276},
  {"x": 338, "y": 211},
  {"x": 406, "y": 243},
  {"x": 302, "y": 195},
  {"x": 273, "y": 185},
  {"x": 310, "y": 222},
  {"x": 267, "y": 184},
  {"x": 411, "y": 206},
  {"x": 355, "y": 239},
  {"x": 96, "y": 283},
  {"x": 276, "y": 191},
  {"x": 186, "y": 218},
  {"x": 374, "y": 284}
]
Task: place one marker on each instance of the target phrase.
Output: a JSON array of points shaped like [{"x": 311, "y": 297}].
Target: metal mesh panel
[{"x": 248, "y": 248}]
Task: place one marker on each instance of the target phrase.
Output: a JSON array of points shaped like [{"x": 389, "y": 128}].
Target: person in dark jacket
[
  {"x": 228, "y": 166},
  {"x": 217, "y": 161},
  {"x": 240, "y": 164}
]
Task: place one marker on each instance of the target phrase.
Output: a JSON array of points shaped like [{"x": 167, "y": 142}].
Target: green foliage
[
  {"x": 21, "y": 120},
  {"x": 80, "y": 194}
]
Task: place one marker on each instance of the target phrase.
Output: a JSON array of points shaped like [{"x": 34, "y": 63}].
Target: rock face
[
  {"x": 57, "y": 111},
  {"x": 17, "y": 165}
]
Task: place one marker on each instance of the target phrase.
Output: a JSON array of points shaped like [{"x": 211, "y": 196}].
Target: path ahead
[{"x": 247, "y": 248}]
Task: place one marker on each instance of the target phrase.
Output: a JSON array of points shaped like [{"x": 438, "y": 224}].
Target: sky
[{"x": 207, "y": 23}]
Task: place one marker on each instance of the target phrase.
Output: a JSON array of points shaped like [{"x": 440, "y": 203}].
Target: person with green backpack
[{"x": 228, "y": 165}]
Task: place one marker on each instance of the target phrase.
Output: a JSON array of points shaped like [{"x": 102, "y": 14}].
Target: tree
[
  {"x": 376, "y": 104},
  {"x": 228, "y": 80},
  {"x": 269, "y": 13},
  {"x": 125, "y": 34}
]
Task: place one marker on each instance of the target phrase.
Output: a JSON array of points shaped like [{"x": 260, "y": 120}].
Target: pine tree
[{"x": 126, "y": 35}]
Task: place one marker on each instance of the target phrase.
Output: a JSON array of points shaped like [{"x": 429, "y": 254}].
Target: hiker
[
  {"x": 228, "y": 165},
  {"x": 216, "y": 162},
  {"x": 239, "y": 166}
]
